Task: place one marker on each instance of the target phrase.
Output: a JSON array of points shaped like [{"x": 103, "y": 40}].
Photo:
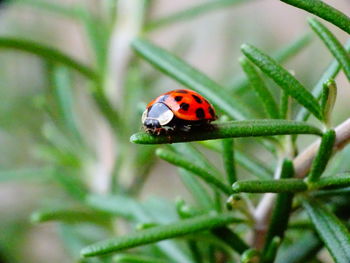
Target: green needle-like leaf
[
  {"x": 229, "y": 159},
  {"x": 240, "y": 84},
  {"x": 180, "y": 228},
  {"x": 323, "y": 155},
  {"x": 253, "y": 166},
  {"x": 280, "y": 215},
  {"x": 341, "y": 180},
  {"x": 47, "y": 53},
  {"x": 257, "y": 83},
  {"x": 183, "y": 162},
  {"x": 328, "y": 98},
  {"x": 283, "y": 78},
  {"x": 69, "y": 216},
  {"x": 130, "y": 258},
  {"x": 198, "y": 191},
  {"x": 270, "y": 186},
  {"x": 333, "y": 233},
  {"x": 182, "y": 72},
  {"x": 231, "y": 238},
  {"x": 331, "y": 72},
  {"x": 333, "y": 44},
  {"x": 231, "y": 129},
  {"x": 324, "y": 11},
  {"x": 305, "y": 248}
]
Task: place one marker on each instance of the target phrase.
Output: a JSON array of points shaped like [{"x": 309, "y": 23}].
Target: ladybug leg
[{"x": 186, "y": 128}]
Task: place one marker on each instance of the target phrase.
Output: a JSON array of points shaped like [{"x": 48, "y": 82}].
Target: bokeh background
[{"x": 29, "y": 141}]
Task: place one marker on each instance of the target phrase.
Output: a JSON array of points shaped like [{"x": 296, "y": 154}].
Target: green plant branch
[
  {"x": 231, "y": 129},
  {"x": 302, "y": 164}
]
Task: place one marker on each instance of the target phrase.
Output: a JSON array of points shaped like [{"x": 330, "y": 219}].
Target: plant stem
[{"x": 302, "y": 164}]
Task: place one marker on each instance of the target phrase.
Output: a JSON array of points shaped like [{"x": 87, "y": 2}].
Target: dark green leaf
[
  {"x": 330, "y": 73},
  {"x": 180, "y": 228},
  {"x": 272, "y": 249},
  {"x": 190, "y": 77},
  {"x": 340, "y": 180},
  {"x": 323, "y": 155},
  {"x": 257, "y": 83},
  {"x": 231, "y": 239},
  {"x": 283, "y": 78},
  {"x": 301, "y": 251},
  {"x": 324, "y": 11},
  {"x": 241, "y": 83},
  {"x": 333, "y": 44},
  {"x": 282, "y": 210},
  {"x": 332, "y": 232},
  {"x": 229, "y": 159},
  {"x": 270, "y": 186},
  {"x": 231, "y": 129},
  {"x": 183, "y": 162}
]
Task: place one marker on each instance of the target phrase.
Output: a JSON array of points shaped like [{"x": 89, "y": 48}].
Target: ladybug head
[{"x": 156, "y": 116}]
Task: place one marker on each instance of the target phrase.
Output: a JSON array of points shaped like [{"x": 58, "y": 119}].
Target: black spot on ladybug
[
  {"x": 200, "y": 113},
  {"x": 178, "y": 98},
  {"x": 181, "y": 91},
  {"x": 196, "y": 98},
  {"x": 211, "y": 112},
  {"x": 162, "y": 99},
  {"x": 184, "y": 106}
]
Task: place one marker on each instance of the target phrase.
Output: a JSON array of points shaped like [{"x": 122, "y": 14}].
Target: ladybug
[{"x": 177, "y": 110}]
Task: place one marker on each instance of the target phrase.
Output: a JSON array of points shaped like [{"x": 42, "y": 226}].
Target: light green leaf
[
  {"x": 155, "y": 234},
  {"x": 47, "y": 53},
  {"x": 69, "y": 216}
]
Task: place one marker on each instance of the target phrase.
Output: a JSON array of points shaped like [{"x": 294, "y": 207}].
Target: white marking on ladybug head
[
  {"x": 165, "y": 117},
  {"x": 144, "y": 116}
]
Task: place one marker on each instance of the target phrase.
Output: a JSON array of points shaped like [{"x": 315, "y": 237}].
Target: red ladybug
[{"x": 177, "y": 110}]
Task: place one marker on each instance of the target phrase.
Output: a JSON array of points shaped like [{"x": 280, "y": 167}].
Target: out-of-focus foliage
[{"x": 75, "y": 187}]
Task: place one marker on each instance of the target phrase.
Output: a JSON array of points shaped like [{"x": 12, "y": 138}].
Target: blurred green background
[{"x": 40, "y": 139}]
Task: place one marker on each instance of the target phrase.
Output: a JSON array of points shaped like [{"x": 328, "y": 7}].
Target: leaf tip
[
  {"x": 235, "y": 187},
  {"x": 134, "y": 138},
  {"x": 35, "y": 218}
]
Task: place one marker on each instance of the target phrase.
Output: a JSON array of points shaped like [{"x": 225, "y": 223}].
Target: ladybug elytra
[{"x": 177, "y": 110}]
